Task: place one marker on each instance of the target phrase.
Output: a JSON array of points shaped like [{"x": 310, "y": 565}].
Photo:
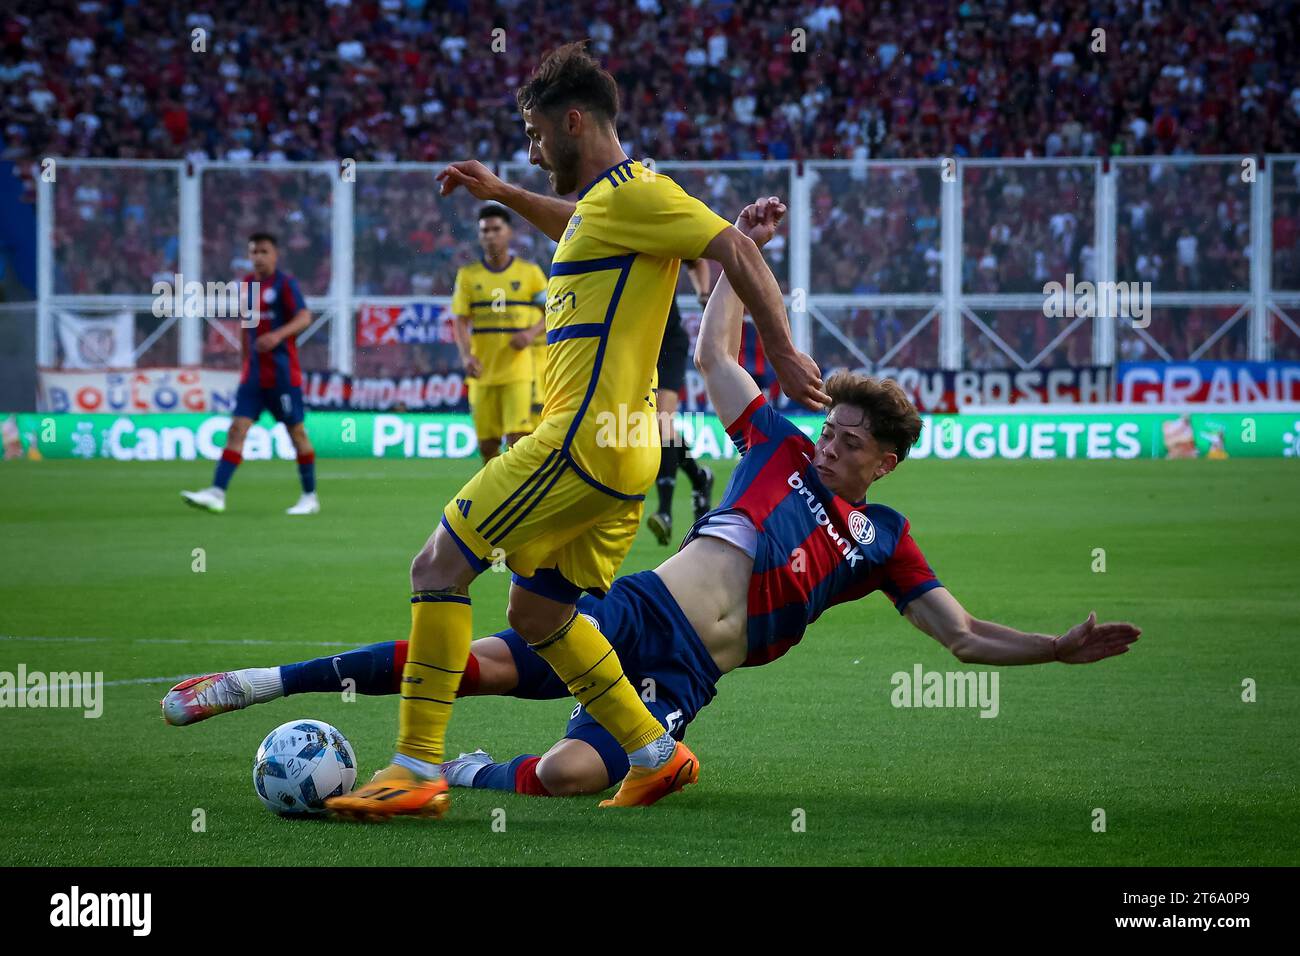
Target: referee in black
[{"x": 673, "y": 356}]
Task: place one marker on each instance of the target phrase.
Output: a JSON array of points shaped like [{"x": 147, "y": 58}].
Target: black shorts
[{"x": 673, "y": 353}]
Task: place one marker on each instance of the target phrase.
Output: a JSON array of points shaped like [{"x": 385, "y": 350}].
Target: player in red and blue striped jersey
[
  {"x": 793, "y": 536},
  {"x": 271, "y": 379}
]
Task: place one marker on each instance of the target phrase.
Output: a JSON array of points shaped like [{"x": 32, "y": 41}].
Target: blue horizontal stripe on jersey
[
  {"x": 579, "y": 266},
  {"x": 583, "y": 330}
]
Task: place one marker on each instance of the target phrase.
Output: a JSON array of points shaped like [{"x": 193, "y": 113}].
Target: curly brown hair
[
  {"x": 892, "y": 419},
  {"x": 570, "y": 77}
]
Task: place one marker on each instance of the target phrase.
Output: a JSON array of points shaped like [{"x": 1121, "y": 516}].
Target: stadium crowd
[{"x": 399, "y": 80}]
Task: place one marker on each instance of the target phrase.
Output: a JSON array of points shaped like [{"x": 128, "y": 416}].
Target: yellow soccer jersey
[
  {"x": 539, "y": 362},
  {"x": 612, "y": 280},
  {"x": 499, "y": 304}
]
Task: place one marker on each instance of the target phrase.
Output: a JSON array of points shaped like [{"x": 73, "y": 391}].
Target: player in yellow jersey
[
  {"x": 562, "y": 507},
  {"x": 497, "y": 305}
]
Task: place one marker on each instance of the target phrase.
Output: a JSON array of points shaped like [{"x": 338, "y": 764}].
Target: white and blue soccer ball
[{"x": 302, "y": 763}]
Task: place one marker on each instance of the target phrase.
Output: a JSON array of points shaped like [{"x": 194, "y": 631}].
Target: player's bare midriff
[{"x": 709, "y": 579}]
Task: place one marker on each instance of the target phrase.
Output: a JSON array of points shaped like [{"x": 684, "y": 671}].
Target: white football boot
[
  {"x": 308, "y": 504},
  {"x": 461, "y": 771},
  {"x": 209, "y": 499},
  {"x": 207, "y": 696}
]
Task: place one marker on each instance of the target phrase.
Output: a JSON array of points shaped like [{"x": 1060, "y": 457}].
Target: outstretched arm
[
  {"x": 550, "y": 214},
  {"x": 750, "y": 278},
  {"x": 973, "y": 641},
  {"x": 717, "y": 346}
]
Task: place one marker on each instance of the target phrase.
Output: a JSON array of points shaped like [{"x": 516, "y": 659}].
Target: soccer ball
[{"x": 300, "y": 764}]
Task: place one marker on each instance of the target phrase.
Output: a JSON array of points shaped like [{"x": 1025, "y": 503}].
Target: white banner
[
  {"x": 144, "y": 390},
  {"x": 97, "y": 343}
]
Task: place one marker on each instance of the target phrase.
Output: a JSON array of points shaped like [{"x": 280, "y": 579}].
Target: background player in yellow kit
[
  {"x": 562, "y": 508},
  {"x": 498, "y": 306}
]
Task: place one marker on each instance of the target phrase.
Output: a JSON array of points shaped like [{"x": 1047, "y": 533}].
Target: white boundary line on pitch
[
  {"x": 169, "y": 640},
  {"x": 121, "y": 683}
]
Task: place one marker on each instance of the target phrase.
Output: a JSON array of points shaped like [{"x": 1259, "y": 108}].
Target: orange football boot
[
  {"x": 643, "y": 786},
  {"x": 393, "y": 791}
]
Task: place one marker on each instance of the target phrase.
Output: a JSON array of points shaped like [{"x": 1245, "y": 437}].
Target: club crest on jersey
[
  {"x": 574, "y": 223},
  {"x": 860, "y": 526},
  {"x": 269, "y": 295}
]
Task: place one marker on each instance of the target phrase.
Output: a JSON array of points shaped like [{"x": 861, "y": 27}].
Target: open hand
[{"x": 1088, "y": 642}]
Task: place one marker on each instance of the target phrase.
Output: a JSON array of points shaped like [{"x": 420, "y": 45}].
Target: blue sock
[
  {"x": 307, "y": 472},
  {"x": 226, "y": 466},
  {"x": 500, "y": 776},
  {"x": 371, "y": 667}
]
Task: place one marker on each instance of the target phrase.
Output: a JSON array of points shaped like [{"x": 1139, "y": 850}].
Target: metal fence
[{"x": 924, "y": 263}]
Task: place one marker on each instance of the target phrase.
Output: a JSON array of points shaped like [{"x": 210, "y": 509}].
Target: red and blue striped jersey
[
  {"x": 279, "y": 301},
  {"x": 815, "y": 549}
]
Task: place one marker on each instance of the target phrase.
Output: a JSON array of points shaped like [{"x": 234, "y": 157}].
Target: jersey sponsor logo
[
  {"x": 842, "y": 544},
  {"x": 561, "y": 302},
  {"x": 592, "y": 621},
  {"x": 462, "y": 504},
  {"x": 860, "y": 526}
]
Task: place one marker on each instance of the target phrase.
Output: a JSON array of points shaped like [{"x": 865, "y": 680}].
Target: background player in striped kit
[{"x": 271, "y": 379}]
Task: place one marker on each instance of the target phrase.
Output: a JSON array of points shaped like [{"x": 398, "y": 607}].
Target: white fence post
[
  {"x": 800, "y": 208},
  {"x": 45, "y": 271},
  {"x": 1259, "y": 347},
  {"x": 1103, "y": 323},
  {"x": 190, "y": 262},
  {"x": 950, "y": 238},
  {"x": 342, "y": 337}
]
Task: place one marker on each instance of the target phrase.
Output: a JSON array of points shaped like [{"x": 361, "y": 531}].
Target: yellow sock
[
  {"x": 583, "y": 659},
  {"x": 441, "y": 631}
]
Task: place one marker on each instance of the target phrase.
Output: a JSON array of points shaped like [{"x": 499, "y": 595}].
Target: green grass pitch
[{"x": 96, "y": 574}]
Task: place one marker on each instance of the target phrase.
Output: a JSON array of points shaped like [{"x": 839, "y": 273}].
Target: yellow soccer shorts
[
  {"x": 532, "y": 509},
  {"x": 501, "y": 410}
]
